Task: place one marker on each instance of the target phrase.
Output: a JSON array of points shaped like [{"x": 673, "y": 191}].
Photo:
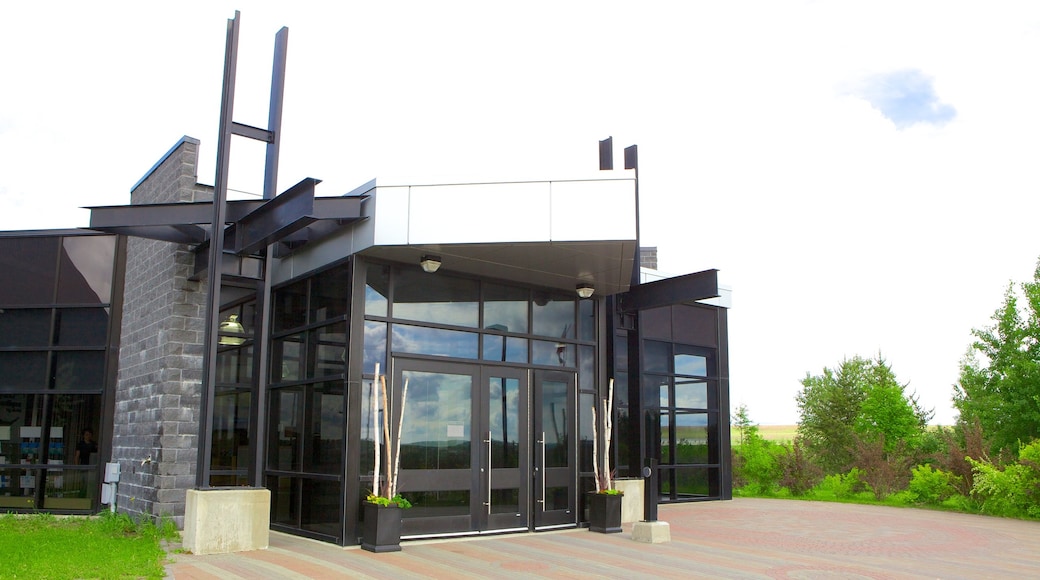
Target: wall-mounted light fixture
[
  {"x": 231, "y": 324},
  {"x": 430, "y": 264},
  {"x": 584, "y": 290}
]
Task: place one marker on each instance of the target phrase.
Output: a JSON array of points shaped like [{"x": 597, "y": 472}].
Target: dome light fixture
[
  {"x": 430, "y": 264},
  {"x": 584, "y": 290}
]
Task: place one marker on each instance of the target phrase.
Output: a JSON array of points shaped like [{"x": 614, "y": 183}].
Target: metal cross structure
[{"x": 271, "y": 136}]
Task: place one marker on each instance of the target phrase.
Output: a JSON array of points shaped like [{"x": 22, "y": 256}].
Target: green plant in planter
[{"x": 397, "y": 500}]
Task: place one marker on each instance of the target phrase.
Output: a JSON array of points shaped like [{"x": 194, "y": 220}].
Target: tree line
[{"x": 863, "y": 435}]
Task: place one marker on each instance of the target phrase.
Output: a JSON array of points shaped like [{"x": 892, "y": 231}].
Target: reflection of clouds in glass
[
  {"x": 454, "y": 313},
  {"x": 693, "y": 395},
  {"x": 375, "y": 346},
  {"x": 433, "y": 341},
  {"x": 436, "y": 403},
  {"x": 92, "y": 256},
  {"x": 688, "y": 364}
]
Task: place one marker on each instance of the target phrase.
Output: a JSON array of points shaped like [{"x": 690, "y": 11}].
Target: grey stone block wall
[{"x": 155, "y": 439}]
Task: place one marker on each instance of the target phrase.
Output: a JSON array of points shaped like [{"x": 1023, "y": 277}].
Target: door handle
[
  {"x": 542, "y": 441},
  {"x": 489, "y": 466}
]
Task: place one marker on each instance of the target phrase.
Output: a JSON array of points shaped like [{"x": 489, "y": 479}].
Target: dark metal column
[
  {"x": 261, "y": 348},
  {"x": 216, "y": 252}
]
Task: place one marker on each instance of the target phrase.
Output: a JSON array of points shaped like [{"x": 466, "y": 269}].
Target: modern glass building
[{"x": 464, "y": 294}]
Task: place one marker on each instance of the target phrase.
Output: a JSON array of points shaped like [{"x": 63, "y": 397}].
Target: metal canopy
[{"x": 269, "y": 221}]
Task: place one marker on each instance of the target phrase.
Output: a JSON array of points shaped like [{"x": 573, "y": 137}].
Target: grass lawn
[{"x": 105, "y": 546}]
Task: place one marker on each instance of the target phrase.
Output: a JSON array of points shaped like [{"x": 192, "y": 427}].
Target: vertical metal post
[
  {"x": 261, "y": 346},
  {"x": 216, "y": 252},
  {"x": 632, "y": 162}
]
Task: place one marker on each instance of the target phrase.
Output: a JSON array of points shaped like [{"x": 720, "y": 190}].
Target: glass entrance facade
[{"x": 493, "y": 373}]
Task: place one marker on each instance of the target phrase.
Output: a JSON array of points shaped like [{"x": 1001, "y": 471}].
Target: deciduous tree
[{"x": 1000, "y": 376}]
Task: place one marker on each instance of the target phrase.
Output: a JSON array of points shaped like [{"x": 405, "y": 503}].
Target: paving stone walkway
[{"x": 743, "y": 538}]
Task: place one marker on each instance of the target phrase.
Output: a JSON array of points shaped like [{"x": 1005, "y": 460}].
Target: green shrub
[
  {"x": 1013, "y": 491},
  {"x": 930, "y": 486},
  {"x": 841, "y": 486}
]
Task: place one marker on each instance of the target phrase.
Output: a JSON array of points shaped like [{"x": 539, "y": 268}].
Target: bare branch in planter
[
  {"x": 375, "y": 431},
  {"x": 386, "y": 437},
  {"x": 602, "y": 476},
  {"x": 397, "y": 449}
]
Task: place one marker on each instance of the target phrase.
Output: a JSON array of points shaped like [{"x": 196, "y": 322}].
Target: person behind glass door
[{"x": 86, "y": 446}]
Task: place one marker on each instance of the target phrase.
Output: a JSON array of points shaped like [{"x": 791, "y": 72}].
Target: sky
[{"x": 862, "y": 174}]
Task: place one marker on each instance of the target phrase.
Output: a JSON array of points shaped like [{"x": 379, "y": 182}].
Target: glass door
[
  {"x": 554, "y": 468},
  {"x": 505, "y": 456},
  {"x": 439, "y": 445}
]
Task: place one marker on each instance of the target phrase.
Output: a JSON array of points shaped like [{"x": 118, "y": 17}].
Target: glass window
[
  {"x": 284, "y": 500},
  {"x": 691, "y": 394},
  {"x": 505, "y": 348},
  {"x": 375, "y": 346},
  {"x": 377, "y": 289},
  {"x": 666, "y": 438},
  {"x": 23, "y": 370},
  {"x": 287, "y": 422},
  {"x": 655, "y": 356},
  {"x": 235, "y": 365},
  {"x": 438, "y": 421},
  {"x": 25, "y": 327},
  {"x": 320, "y": 508},
  {"x": 690, "y": 364},
  {"x": 68, "y": 489},
  {"x": 655, "y": 391},
  {"x": 434, "y": 341},
  {"x": 689, "y": 482},
  {"x": 586, "y": 320},
  {"x": 560, "y": 354},
  {"x": 326, "y": 429},
  {"x": 503, "y": 420},
  {"x": 586, "y": 368},
  {"x": 586, "y": 401},
  {"x": 330, "y": 346},
  {"x": 230, "y": 449},
  {"x": 86, "y": 269},
  {"x": 505, "y": 308},
  {"x": 287, "y": 360},
  {"x": 78, "y": 370},
  {"x": 290, "y": 306},
  {"x": 29, "y": 266},
  {"x": 330, "y": 291},
  {"x": 441, "y": 299},
  {"x": 553, "y": 315},
  {"x": 82, "y": 326},
  {"x": 21, "y": 414},
  {"x": 72, "y": 416},
  {"x": 691, "y": 438}
]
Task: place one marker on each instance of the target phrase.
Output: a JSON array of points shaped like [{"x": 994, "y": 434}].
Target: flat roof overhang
[{"x": 607, "y": 265}]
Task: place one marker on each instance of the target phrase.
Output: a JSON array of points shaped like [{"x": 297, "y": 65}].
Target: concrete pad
[
  {"x": 220, "y": 521},
  {"x": 652, "y": 532}
]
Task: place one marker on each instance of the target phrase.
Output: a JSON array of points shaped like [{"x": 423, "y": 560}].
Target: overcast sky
[{"x": 863, "y": 174}]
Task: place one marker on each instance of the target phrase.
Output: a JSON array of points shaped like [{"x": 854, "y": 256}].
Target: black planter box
[
  {"x": 382, "y": 529},
  {"x": 605, "y": 512}
]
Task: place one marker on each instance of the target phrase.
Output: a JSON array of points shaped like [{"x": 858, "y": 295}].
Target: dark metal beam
[
  {"x": 280, "y": 216},
  {"x": 678, "y": 290},
  {"x": 252, "y": 132}
]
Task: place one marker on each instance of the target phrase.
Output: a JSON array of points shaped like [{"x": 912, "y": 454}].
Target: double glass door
[{"x": 485, "y": 449}]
